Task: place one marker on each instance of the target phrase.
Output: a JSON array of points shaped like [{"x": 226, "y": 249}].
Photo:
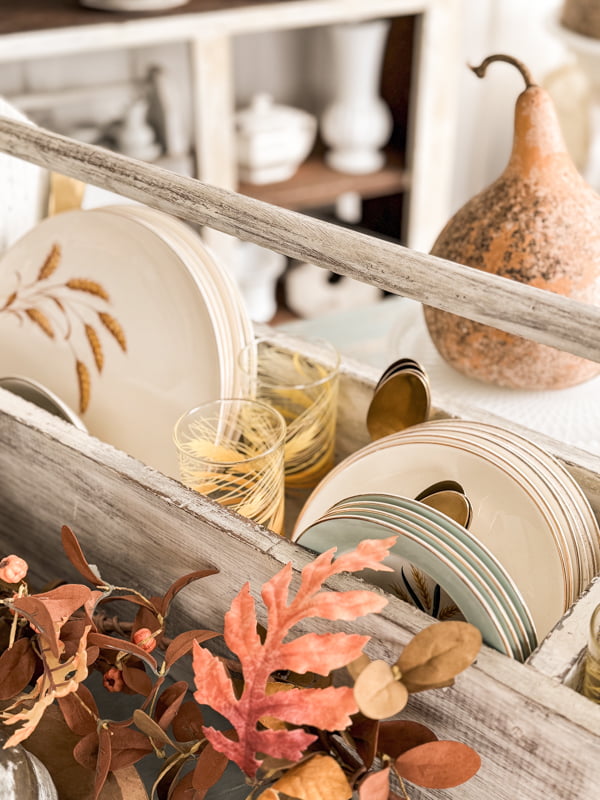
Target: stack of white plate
[
  {"x": 125, "y": 315},
  {"x": 533, "y": 543}
]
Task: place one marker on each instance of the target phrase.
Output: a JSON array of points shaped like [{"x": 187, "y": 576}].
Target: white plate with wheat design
[{"x": 99, "y": 309}]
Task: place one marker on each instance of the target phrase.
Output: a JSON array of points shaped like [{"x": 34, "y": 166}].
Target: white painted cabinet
[{"x": 211, "y": 29}]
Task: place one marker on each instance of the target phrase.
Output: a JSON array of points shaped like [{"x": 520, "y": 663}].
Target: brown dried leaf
[
  {"x": 75, "y": 555},
  {"x": 169, "y": 703},
  {"x": 124, "y": 645},
  {"x": 41, "y": 320},
  {"x": 182, "y": 644},
  {"x": 17, "y": 666},
  {"x": 151, "y": 729},
  {"x": 80, "y": 711},
  {"x": 375, "y": 786},
  {"x": 103, "y": 762},
  {"x": 36, "y": 613},
  {"x": 188, "y": 722},
  {"x": 209, "y": 768},
  {"x": 365, "y": 733},
  {"x": 136, "y": 679},
  {"x": 96, "y": 347},
  {"x": 127, "y": 747},
  {"x": 168, "y": 775},
  {"x": 399, "y": 735},
  {"x": 50, "y": 264},
  {"x": 183, "y": 790},
  {"x": 85, "y": 751},
  {"x": 114, "y": 328},
  {"x": 377, "y": 693},
  {"x": 438, "y": 765},
  {"x": 180, "y": 584},
  {"x": 438, "y": 653},
  {"x": 318, "y": 778}
]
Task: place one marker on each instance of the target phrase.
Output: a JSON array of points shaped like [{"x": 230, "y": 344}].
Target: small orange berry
[
  {"x": 144, "y": 639},
  {"x": 13, "y": 569},
  {"x": 113, "y": 680}
]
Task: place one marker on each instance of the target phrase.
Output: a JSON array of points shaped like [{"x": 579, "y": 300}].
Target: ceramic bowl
[{"x": 272, "y": 140}]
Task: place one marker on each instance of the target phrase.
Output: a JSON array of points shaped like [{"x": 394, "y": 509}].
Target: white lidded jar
[{"x": 272, "y": 140}]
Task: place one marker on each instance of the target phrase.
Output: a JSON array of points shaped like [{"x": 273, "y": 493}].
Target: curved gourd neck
[{"x": 538, "y": 141}]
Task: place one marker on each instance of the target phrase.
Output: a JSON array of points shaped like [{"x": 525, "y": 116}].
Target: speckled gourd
[{"x": 538, "y": 223}]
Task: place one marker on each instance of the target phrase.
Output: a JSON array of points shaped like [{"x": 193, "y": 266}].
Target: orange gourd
[{"x": 538, "y": 223}]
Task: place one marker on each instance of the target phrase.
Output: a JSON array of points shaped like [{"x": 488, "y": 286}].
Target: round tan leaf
[
  {"x": 377, "y": 693},
  {"x": 438, "y": 653},
  {"x": 319, "y": 778}
]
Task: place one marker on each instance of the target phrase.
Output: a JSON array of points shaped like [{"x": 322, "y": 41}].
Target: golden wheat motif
[
  {"x": 62, "y": 309},
  {"x": 449, "y": 612},
  {"x": 51, "y": 263},
  {"x": 111, "y": 325},
  {"x": 91, "y": 287},
  {"x": 9, "y": 301},
  {"x": 41, "y": 320},
  {"x": 421, "y": 584},
  {"x": 95, "y": 345},
  {"x": 83, "y": 379}
]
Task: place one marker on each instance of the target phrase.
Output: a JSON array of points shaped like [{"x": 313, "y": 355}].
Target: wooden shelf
[{"x": 316, "y": 185}]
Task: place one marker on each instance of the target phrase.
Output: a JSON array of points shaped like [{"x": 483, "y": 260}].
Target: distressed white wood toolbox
[{"x": 537, "y": 737}]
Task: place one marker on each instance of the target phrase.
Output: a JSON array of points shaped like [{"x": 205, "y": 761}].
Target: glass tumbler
[
  {"x": 591, "y": 666},
  {"x": 232, "y": 451},
  {"x": 304, "y": 388}
]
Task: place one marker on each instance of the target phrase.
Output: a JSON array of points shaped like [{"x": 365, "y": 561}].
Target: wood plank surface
[
  {"x": 537, "y": 739},
  {"x": 503, "y": 303}
]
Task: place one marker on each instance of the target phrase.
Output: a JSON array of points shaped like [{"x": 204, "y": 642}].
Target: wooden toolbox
[{"x": 538, "y": 738}]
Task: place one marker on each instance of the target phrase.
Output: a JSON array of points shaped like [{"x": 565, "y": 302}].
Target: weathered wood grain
[
  {"x": 539, "y": 315},
  {"x": 537, "y": 739}
]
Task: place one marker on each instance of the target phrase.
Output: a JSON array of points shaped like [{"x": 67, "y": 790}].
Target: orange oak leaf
[{"x": 327, "y": 709}]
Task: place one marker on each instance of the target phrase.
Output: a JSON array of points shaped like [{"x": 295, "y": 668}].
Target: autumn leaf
[
  {"x": 17, "y": 665},
  {"x": 438, "y": 765},
  {"x": 48, "y": 611},
  {"x": 329, "y": 708},
  {"x": 377, "y": 692},
  {"x": 75, "y": 555},
  {"x": 169, "y": 703},
  {"x": 188, "y": 723},
  {"x": 375, "y": 786},
  {"x": 80, "y": 711},
  {"x": 436, "y": 654},
  {"x": 209, "y": 768},
  {"x": 318, "y": 778},
  {"x": 123, "y": 645},
  {"x": 365, "y": 733},
  {"x": 396, "y": 736},
  {"x": 182, "y": 644},
  {"x": 180, "y": 584}
]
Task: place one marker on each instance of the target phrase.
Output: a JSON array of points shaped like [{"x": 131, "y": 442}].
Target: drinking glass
[
  {"x": 591, "y": 667},
  {"x": 232, "y": 451},
  {"x": 303, "y": 387}
]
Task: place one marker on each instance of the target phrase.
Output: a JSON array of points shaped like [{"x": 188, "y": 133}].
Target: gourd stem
[{"x": 481, "y": 69}]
